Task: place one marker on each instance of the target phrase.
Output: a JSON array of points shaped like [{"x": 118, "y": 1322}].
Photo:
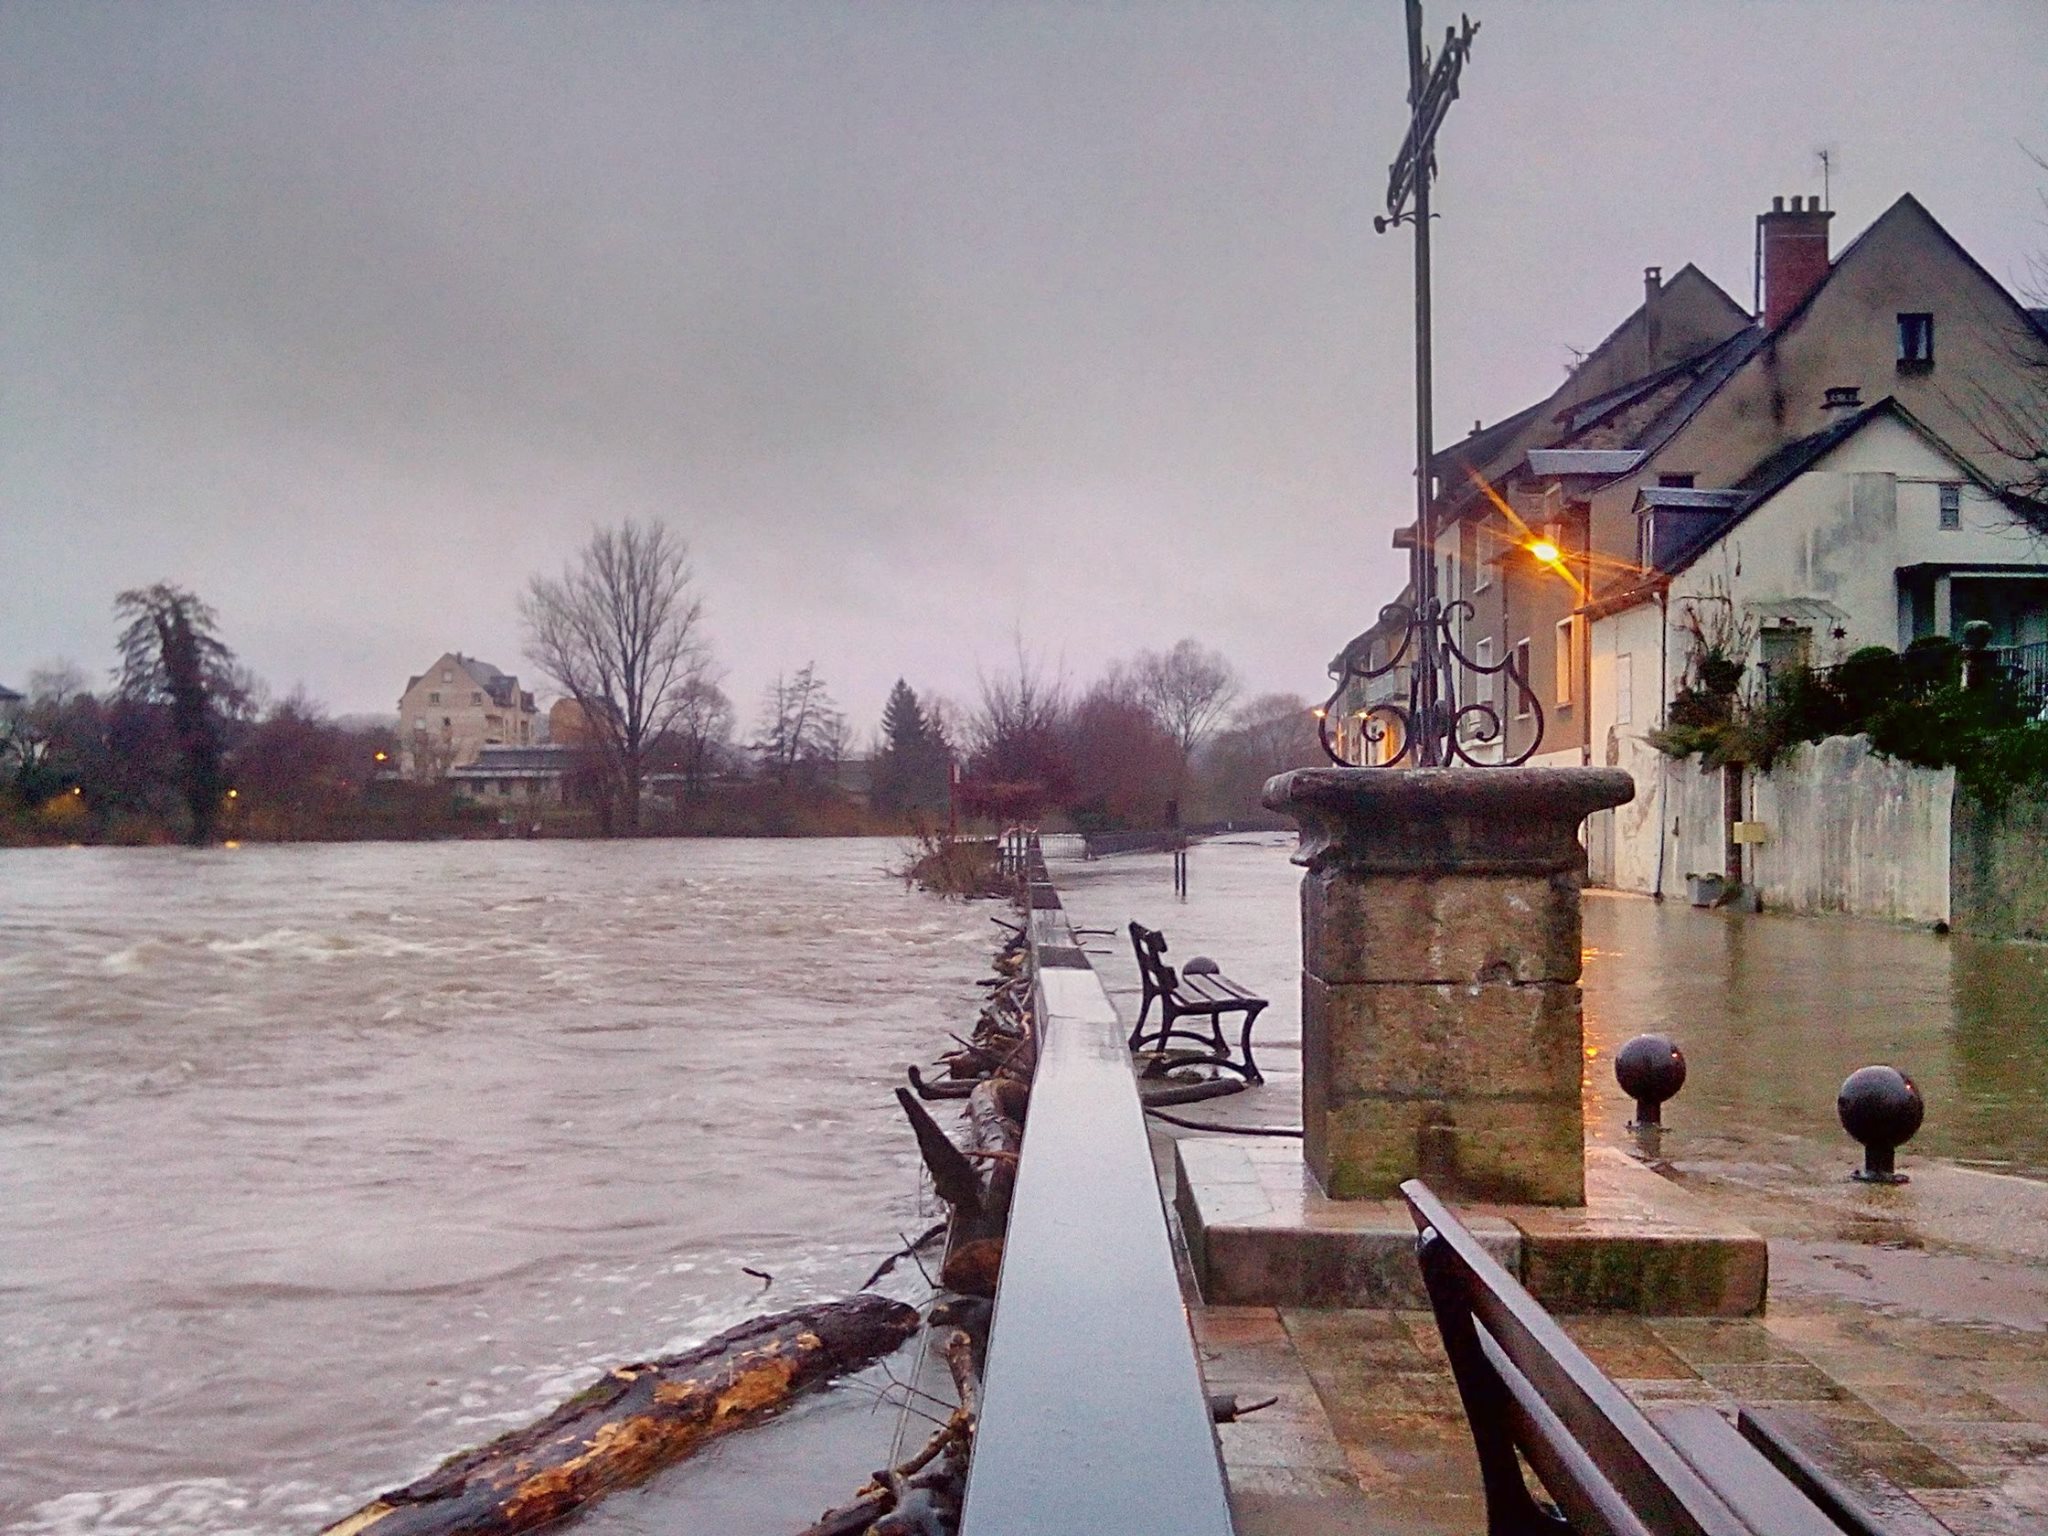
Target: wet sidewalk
[{"x": 1911, "y": 1323}]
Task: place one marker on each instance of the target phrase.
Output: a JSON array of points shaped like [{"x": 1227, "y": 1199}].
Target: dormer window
[{"x": 1916, "y": 343}]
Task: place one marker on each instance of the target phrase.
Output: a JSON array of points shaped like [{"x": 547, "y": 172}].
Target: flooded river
[
  {"x": 320, "y": 1163},
  {"x": 317, "y": 1164}
]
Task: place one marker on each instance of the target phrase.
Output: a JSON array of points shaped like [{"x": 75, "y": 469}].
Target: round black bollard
[
  {"x": 1881, "y": 1108},
  {"x": 1650, "y": 1070},
  {"x": 1200, "y": 965}
]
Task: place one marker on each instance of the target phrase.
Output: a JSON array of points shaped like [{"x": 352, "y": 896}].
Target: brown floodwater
[
  {"x": 320, "y": 1163},
  {"x": 1773, "y": 1011}
]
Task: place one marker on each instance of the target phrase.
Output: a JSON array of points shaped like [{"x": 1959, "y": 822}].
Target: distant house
[
  {"x": 449, "y": 713},
  {"x": 516, "y": 777},
  {"x": 8, "y": 697}
]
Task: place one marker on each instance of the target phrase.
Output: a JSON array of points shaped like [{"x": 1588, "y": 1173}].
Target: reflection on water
[
  {"x": 320, "y": 1163},
  {"x": 1773, "y": 1011}
]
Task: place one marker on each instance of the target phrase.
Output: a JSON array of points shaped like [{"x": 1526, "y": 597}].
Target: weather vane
[{"x": 1423, "y": 724}]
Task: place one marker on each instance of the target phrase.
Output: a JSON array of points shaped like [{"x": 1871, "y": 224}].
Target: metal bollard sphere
[
  {"x": 1200, "y": 965},
  {"x": 1650, "y": 1069},
  {"x": 1882, "y": 1109}
]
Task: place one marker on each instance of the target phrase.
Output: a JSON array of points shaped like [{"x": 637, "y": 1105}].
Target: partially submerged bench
[
  {"x": 1534, "y": 1397},
  {"x": 1194, "y": 992}
]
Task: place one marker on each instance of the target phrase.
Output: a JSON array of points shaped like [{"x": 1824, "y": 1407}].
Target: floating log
[{"x": 636, "y": 1420}]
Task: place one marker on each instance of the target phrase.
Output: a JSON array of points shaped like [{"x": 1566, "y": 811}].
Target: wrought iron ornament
[
  {"x": 1429, "y": 725},
  {"x": 1436, "y": 729}
]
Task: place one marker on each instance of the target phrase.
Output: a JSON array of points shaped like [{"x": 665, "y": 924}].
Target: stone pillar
[{"x": 1441, "y": 1027}]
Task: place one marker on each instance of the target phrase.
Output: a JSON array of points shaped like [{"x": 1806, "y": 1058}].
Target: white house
[{"x": 1872, "y": 531}]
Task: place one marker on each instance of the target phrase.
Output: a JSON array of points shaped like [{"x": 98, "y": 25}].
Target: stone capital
[{"x": 1495, "y": 821}]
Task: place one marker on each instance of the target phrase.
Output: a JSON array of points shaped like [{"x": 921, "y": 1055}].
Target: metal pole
[{"x": 1422, "y": 558}]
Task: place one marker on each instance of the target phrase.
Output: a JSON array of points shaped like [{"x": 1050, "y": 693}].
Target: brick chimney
[{"x": 1793, "y": 248}]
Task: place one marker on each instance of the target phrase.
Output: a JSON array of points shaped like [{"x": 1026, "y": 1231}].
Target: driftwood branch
[
  {"x": 915, "y": 1495},
  {"x": 953, "y": 1176},
  {"x": 635, "y": 1420}
]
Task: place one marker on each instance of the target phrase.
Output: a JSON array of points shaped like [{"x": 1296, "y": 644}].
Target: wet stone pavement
[{"x": 1910, "y": 1324}]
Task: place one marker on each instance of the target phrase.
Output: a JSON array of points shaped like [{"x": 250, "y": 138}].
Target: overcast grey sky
[{"x": 926, "y": 324}]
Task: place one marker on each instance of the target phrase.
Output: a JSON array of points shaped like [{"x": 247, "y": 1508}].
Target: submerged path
[{"x": 1914, "y": 1320}]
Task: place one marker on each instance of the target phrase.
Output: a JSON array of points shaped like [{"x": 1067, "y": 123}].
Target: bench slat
[
  {"x": 1739, "y": 1472},
  {"x": 1639, "y": 1464},
  {"x": 1857, "y": 1497},
  {"x": 1527, "y": 1386}
]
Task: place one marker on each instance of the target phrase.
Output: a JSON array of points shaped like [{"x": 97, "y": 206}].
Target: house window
[
  {"x": 1566, "y": 630},
  {"x": 446, "y": 722},
  {"x": 419, "y": 722},
  {"x": 1468, "y": 554},
  {"x": 1676, "y": 482},
  {"x": 1916, "y": 343},
  {"x": 447, "y": 676},
  {"x": 1624, "y": 689},
  {"x": 1522, "y": 672},
  {"x": 1951, "y": 506},
  {"x": 1481, "y": 567},
  {"x": 1646, "y": 540},
  {"x": 476, "y": 698}
]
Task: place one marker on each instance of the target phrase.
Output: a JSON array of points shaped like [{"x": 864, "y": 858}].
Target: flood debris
[
  {"x": 974, "y": 1170},
  {"x": 637, "y": 1419}
]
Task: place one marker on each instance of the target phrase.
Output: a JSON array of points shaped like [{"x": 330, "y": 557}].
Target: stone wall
[
  {"x": 1849, "y": 831},
  {"x": 1999, "y": 877},
  {"x": 1845, "y": 831}
]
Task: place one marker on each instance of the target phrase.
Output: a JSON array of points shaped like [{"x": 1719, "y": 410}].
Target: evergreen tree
[
  {"x": 910, "y": 769},
  {"x": 171, "y": 657}
]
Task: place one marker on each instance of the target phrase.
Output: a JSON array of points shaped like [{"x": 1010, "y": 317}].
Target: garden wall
[{"x": 2000, "y": 862}]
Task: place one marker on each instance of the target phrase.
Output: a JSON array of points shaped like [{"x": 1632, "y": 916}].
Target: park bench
[
  {"x": 1197, "y": 991},
  {"x": 1533, "y": 1397}
]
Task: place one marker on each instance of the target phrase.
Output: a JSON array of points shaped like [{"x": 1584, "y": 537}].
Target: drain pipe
[{"x": 1663, "y": 693}]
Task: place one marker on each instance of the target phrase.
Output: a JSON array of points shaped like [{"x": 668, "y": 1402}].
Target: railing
[
  {"x": 1093, "y": 1415},
  {"x": 1156, "y": 840},
  {"x": 2026, "y": 666},
  {"x": 2023, "y": 668}
]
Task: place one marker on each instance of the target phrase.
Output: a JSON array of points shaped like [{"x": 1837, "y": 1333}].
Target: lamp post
[{"x": 1433, "y": 728}]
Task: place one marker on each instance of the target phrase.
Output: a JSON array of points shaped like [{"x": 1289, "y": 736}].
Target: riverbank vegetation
[{"x": 187, "y": 745}]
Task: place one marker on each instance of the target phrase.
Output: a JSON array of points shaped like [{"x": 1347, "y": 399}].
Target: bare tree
[
  {"x": 703, "y": 728},
  {"x": 621, "y": 631},
  {"x": 800, "y": 730},
  {"x": 2013, "y": 421},
  {"x": 1187, "y": 690}
]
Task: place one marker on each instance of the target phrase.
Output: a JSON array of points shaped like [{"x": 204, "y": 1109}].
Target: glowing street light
[{"x": 1547, "y": 552}]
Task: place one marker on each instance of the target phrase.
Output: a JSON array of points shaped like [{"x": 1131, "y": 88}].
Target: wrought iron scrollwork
[{"x": 1444, "y": 706}]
